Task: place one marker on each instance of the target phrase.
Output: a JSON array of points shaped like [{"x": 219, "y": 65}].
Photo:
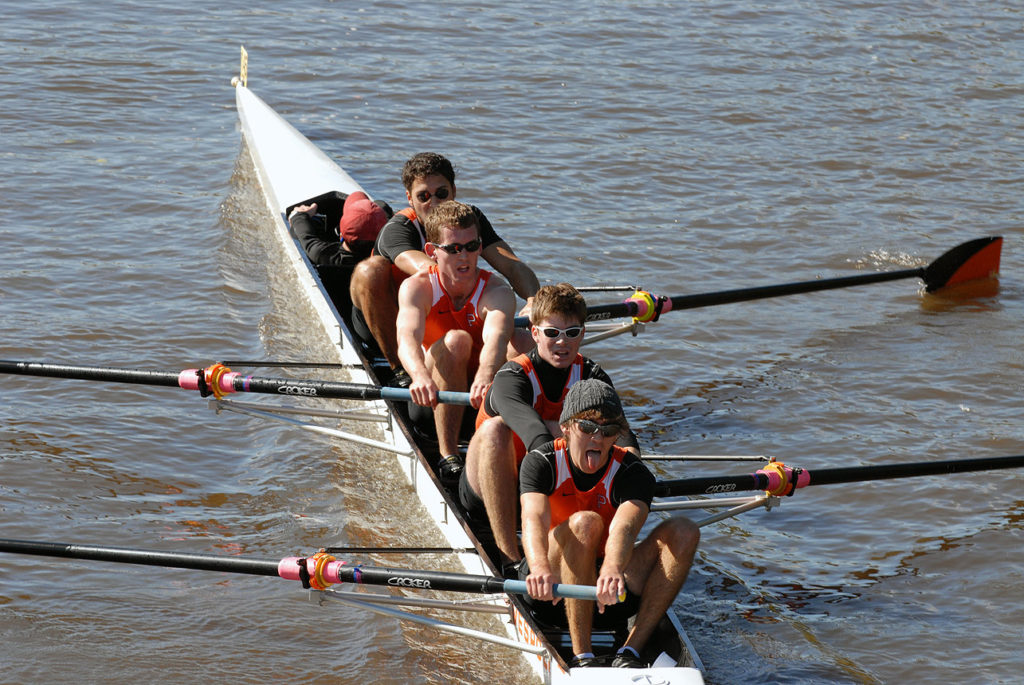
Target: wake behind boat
[{"x": 293, "y": 171}]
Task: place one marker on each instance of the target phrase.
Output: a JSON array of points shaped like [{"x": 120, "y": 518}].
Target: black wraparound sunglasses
[
  {"x": 589, "y": 427},
  {"x": 440, "y": 194},
  {"x": 456, "y": 248}
]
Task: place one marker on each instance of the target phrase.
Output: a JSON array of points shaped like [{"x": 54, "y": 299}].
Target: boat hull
[{"x": 291, "y": 169}]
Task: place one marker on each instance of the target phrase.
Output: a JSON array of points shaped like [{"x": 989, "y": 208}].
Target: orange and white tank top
[
  {"x": 566, "y": 500},
  {"x": 443, "y": 317},
  {"x": 547, "y": 409}
]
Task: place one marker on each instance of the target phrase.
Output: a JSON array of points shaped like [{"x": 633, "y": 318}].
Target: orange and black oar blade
[{"x": 974, "y": 260}]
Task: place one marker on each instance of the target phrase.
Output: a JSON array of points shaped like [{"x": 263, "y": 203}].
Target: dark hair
[
  {"x": 558, "y": 299},
  {"x": 451, "y": 214},
  {"x": 424, "y": 164}
]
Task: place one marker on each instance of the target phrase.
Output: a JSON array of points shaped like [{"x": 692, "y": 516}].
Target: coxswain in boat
[
  {"x": 454, "y": 323},
  {"x": 347, "y": 243},
  {"x": 520, "y": 412},
  {"x": 584, "y": 501},
  {"x": 429, "y": 180},
  {"x": 337, "y": 231}
]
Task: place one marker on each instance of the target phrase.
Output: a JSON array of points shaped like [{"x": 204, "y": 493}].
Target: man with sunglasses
[
  {"x": 454, "y": 321},
  {"x": 429, "y": 180},
  {"x": 521, "y": 411},
  {"x": 584, "y": 502}
]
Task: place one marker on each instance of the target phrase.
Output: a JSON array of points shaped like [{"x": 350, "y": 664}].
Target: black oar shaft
[
  {"x": 618, "y": 310},
  {"x": 228, "y": 382},
  {"x": 332, "y": 570},
  {"x": 800, "y": 287},
  {"x": 854, "y": 474},
  {"x": 201, "y": 562},
  {"x": 426, "y": 580},
  {"x": 974, "y": 259},
  {"x": 851, "y": 474},
  {"x": 90, "y": 373},
  {"x": 276, "y": 386},
  {"x": 631, "y": 308}
]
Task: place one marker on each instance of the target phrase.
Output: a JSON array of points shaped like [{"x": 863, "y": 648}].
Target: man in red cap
[{"x": 352, "y": 240}]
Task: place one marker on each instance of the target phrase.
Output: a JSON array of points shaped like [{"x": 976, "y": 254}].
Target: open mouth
[{"x": 593, "y": 457}]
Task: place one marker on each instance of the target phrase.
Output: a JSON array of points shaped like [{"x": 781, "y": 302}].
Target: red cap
[{"x": 361, "y": 219}]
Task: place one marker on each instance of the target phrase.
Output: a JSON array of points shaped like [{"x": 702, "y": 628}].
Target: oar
[
  {"x": 219, "y": 380},
  {"x": 318, "y": 571},
  {"x": 782, "y": 480},
  {"x": 972, "y": 260}
]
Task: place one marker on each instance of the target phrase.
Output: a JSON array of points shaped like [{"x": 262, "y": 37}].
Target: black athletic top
[
  {"x": 511, "y": 397},
  {"x": 322, "y": 243},
  {"x": 634, "y": 481},
  {"x": 401, "y": 234}
]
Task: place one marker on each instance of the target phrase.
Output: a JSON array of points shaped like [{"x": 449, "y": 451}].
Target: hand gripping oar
[
  {"x": 218, "y": 380},
  {"x": 778, "y": 479},
  {"x": 972, "y": 260},
  {"x": 317, "y": 571}
]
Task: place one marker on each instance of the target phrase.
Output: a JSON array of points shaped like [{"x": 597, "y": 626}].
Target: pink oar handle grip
[
  {"x": 803, "y": 478},
  {"x": 189, "y": 380},
  {"x": 288, "y": 569}
]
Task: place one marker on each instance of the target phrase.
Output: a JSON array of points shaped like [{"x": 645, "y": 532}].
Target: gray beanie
[{"x": 591, "y": 394}]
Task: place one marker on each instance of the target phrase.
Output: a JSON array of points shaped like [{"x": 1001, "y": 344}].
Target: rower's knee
[
  {"x": 369, "y": 276},
  {"x": 494, "y": 431},
  {"x": 521, "y": 342},
  {"x": 490, "y": 454},
  {"x": 587, "y": 527},
  {"x": 459, "y": 344},
  {"x": 680, "y": 535}
]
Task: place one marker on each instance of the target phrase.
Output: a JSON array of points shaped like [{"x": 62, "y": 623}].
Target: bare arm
[
  {"x": 498, "y": 306},
  {"x": 413, "y": 304},
  {"x": 412, "y": 261},
  {"x": 622, "y": 533},
  {"x": 519, "y": 275},
  {"x": 536, "y": 522}
]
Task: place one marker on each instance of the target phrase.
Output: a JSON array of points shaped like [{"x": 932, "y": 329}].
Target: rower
[
  {"x": 429, "y": 180},
  {"x": 584, "y": 502},
  {"x": 454, "y": 323},
  {"x": 520, "y": 412}
]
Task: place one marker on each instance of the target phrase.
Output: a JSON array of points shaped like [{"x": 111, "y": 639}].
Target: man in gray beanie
[{"x": 584, "y": 502}]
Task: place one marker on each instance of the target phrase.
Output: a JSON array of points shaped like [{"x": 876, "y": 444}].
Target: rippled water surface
[{"x": 684, "y": 147}]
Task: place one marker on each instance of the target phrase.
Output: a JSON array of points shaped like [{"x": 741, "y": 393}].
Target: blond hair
[
  {"x": 560, "y": 299},
  {"x": 452, "y": 215}
]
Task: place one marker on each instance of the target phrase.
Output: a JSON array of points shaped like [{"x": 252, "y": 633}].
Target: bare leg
[
  {"x": 573, "y": 545},
  {"x": 657, "y": 570},
  {"x": 492, "y": 473},
  {"x": 374, "y": 292},
  {"x": 448, "y": 361}
]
